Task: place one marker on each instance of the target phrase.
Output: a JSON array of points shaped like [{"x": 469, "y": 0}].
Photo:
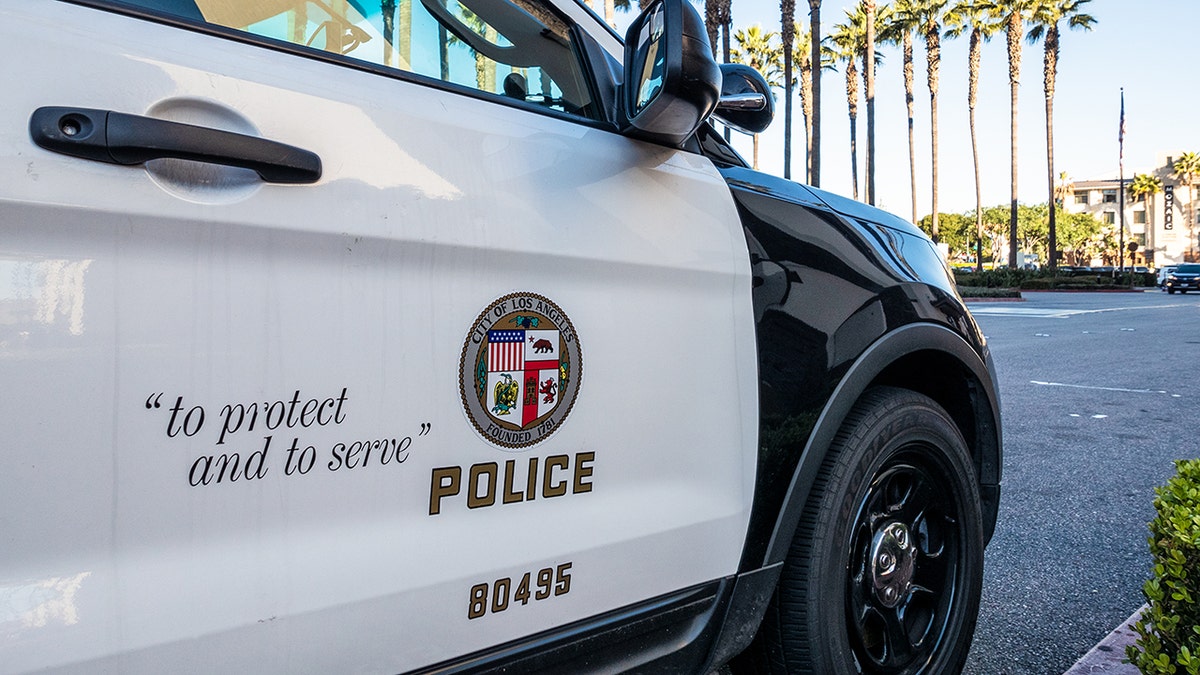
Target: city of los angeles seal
[{"x": 520, "y": 369}]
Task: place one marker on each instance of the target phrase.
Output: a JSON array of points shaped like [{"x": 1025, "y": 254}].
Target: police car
[{"x": 448, "y": 336}]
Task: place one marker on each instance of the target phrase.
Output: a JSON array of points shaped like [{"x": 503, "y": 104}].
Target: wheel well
[{"x": 954, "y": 387}]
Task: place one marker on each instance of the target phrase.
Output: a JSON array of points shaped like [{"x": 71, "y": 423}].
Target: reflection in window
[{"x": 514, "y": 48}]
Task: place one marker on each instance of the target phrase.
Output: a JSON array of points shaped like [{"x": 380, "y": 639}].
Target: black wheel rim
[{"x": 905, "y": 549}]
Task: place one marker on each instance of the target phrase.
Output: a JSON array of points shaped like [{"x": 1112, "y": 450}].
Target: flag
[
  {"x": 1121, "y": 133},
  {"x": 506, "y": 350}
]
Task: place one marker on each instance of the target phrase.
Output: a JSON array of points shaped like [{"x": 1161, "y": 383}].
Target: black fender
[{"x": 754, "y": 587}]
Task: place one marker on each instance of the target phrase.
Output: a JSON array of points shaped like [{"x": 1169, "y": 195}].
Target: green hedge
[
  {"x": 1169, "y": 631},
  {"x": 1043, "y": 279},
  {"x": 984, "y": 292}
]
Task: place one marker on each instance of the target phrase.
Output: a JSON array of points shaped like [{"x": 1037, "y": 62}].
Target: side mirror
[
  {"x": 672, "y": 82},
  {"x": 746, "y": 102}
]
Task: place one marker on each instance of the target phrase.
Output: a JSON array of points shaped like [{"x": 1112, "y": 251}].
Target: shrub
[
  {"x": 1169, "y": 630},
  {"x": 984, "y": 292}
]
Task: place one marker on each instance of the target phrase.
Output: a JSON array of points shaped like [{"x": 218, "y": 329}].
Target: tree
[
  {"x": 1065, "y": 188},
  {"x": 1143, "y": 187},
  {"x": 802, "y": 60},
  {"x": 974, "y": 15},
  {"x": 1046, "y": 18},
  {"x": 930, "y": 15},
  {"x": 814, "y": 148},
  {"x": 957, "y": 230},
  {"x": 869, "y": 38},
  {"x": 787, "y": 33},
  {"x": 1187, "y": 170},
  {"x": 759, "y": 50},
  {"x": 718, "y": 20},
  {"x": 394, "y": 45},
  {"x": 1014, "y": 14},
  {"x": 846, "y": 38},
  {"x": 849, "y": 44},
  {"x": 900, "y": 30}
]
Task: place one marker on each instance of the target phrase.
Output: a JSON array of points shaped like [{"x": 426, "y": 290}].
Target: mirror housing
[
  {"x": 746, "y": 102},
  {"x": 671, "y": 81}
]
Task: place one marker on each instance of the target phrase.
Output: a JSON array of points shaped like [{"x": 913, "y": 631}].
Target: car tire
[
  {"x": 1170, "y": 291},
  {"x": 885, "y": 570}
]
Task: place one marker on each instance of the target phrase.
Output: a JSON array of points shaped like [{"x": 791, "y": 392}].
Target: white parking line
[
  {"x": 1121, "y": 389},
  {"x": 1052, "y": 313}
]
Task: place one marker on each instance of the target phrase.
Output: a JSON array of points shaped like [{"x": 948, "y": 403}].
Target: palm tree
[
  {"x": 814, "y": 148},
  {"x": 718, "y": 20},
  {"x": 759, "y": 50},
  {"x": 1143, "y": 187},
  {"x": 1046, "y": 19},
  {"x": 974, "y": 15},
  {"x": 1014, "y": 14},
  {"x": 1065, "y": 188},
  {"x": 801, "y": 60},
  {"x": 1187, "y": 169},
  {"x": 904, "y": 22},
  {"x": 847, "y": 38},
  {"x": 930, "y": 15},
  {"x": 869, "y": 37},
  {"x": 787, "y": 10}
]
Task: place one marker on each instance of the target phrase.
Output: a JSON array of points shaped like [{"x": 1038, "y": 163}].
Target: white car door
[{"x": 492, "y": 372}]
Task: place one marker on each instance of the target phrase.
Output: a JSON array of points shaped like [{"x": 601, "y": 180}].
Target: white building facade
[{"x": 1164, "y": 225}]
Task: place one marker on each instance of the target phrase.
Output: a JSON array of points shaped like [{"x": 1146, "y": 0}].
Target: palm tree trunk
[
  {"x": 610, "y": 12},
  {"x": 814, "y": 152},
  {"x": 388, "y": 8},
  {"x": 756, "y": 152},
  {"x": 444, "y": 52},
  {"x": 869, "y": 85},
  {"x": 973, "y": 58},
  {"x": 806, "y": 109},
  {"x": 933, "y": 50},
  {"x": 908, "y": 99},
  {"x": 787, "y": 9},
  {"x": 852, "y": 105},
  {"x": 1050, "y": 69},
  {"x": 1013, "y": 35},
  {"x": 712, "y": 23},
  {"x": 404, "y": 38}
]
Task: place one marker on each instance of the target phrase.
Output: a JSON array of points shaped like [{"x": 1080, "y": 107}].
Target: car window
[
  {"x": 1188, "y": 269},
  {"x": 520, "y": 49}
]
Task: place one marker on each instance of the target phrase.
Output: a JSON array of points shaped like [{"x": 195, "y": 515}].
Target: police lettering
[{"x": 489, "y": 483}]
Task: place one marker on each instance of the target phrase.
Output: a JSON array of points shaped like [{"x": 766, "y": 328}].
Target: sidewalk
[{"x": 1109, "y": 655}]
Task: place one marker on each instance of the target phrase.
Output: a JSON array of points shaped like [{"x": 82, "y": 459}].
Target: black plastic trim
[
  {"x": 905, "y": 340},
  {"x": 752, "y": 593},
  {"x": 129, "y": 140},
  {"x": 671, "y": 633}
]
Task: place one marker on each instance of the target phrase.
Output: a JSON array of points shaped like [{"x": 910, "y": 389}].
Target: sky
[{"x": 1144, "y": 46}]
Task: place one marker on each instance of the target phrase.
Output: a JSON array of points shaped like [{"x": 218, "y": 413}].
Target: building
[{"x": 1164, "y": 225}]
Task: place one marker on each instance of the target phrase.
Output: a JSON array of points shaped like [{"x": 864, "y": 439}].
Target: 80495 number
[{"x": 503, "y": 593}]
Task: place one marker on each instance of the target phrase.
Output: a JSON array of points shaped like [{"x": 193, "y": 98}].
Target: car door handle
[{"x": 120, "y": 138}]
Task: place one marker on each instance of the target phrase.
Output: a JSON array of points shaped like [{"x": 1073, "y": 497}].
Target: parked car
[
  {"x": 1163, "y": 273},
  {"x": 340, "y": 339},
  {"x": 1184, "y": 278}
]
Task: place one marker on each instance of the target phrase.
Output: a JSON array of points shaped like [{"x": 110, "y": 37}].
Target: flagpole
[{"x": 1121, "y": 178}]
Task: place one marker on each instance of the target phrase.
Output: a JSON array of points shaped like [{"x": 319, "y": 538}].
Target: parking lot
[{"x": 1099, "y": 395}]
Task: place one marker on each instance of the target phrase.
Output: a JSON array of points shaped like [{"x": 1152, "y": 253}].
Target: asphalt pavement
[{"x": 1099, "y": 394}]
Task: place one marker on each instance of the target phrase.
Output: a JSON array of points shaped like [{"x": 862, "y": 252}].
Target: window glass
[
  {"x": 515, "y": 48},
  {"x": 1110, "y": 196},
  {"x": 1081, "y": 198},
  {"x": 1139, "y": 217},
  {"x": 1110, "y": 218}
]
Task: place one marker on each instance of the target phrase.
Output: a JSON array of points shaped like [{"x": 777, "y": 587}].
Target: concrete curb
[{"x": 1109, "y": 655}]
